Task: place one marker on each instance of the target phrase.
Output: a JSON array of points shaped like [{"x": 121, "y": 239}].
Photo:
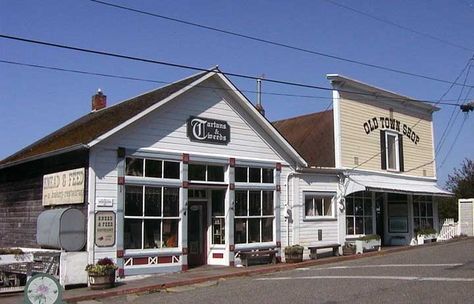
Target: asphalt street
[{"x": 437, "y": 274}]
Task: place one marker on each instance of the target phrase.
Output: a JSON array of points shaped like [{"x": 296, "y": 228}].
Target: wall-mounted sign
[
  {"x": 105, "y": 228},
  {"x": 104, "y": 202},
  {"x": 64, "y": 188},
  {"x": 208, "y": 130},
  {"x": 392, "y": 124}
]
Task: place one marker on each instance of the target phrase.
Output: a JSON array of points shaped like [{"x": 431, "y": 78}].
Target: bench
[
  {"x": 259, "y": 254},
  {"x": 314, "y": 250}
]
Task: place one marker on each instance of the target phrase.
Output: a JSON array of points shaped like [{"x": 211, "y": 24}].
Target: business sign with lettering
[
  {"x": 105, "y": 228},
  {"x": 62, "y": 188},
  {"x": 390, "y": 124},
  {"x": 208, "y": 130}
]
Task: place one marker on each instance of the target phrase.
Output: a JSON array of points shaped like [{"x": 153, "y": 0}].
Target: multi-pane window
[
  {"x": 152, "y": 168},
  {"x": 318, "y": 205},
  {"x": 422, "y": 212},
  {"x": 218, "y": 216},
  {"x": 151, "y": 217},
  {"x": 253, "y": 175},
  {"x": 254, "y": 216},
  {"x": 207, "y": 173},
  {"x": 359, "y": 213}
]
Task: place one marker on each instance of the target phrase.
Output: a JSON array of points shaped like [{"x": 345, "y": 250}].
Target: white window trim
[
  {"x": 320, "y": 217},
  {"x": 397, "y": 152}
]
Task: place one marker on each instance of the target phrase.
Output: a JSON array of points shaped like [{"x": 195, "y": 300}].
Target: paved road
[{"x": 438, "y": 274}]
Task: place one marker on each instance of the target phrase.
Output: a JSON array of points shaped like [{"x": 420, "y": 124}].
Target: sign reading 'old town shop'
[{"x": 208, "y": 130}]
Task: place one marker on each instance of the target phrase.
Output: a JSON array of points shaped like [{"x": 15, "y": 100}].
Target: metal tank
[{"x": 63, "y": 228}]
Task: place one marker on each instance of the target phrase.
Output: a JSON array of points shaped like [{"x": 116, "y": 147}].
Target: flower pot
[{"x": 102, "y": 281}]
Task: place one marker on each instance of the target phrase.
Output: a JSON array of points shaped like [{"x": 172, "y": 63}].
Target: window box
[{"x": 368, "y": 243}]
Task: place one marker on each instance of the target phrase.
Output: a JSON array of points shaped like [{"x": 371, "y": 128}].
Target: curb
[{"x": 277, "y": 268}]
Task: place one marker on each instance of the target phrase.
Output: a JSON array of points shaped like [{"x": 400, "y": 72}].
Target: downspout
[{"x": 287, "y": 207}]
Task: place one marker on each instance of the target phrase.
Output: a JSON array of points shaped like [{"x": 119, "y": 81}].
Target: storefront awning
[{"x": 383, "y": 183}]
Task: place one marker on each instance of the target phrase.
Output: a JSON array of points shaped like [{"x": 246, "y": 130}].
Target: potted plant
[
  {"x": 425, "y": 235},
  {"x": 294, "y": 254},
  {"x": 101, "y": 274},
  {"x": 367, "y": 243}
]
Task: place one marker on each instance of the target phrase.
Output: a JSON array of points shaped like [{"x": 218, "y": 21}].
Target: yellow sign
[{"x": 64, "y": 188}]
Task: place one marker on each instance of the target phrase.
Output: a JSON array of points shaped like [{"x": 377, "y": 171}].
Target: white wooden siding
[
  {"x": 165, "y": 129},
  {"x": 308, "y": 229}
]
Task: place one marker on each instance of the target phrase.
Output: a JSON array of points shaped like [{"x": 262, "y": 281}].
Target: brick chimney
[{"x": 99, "y": 101}]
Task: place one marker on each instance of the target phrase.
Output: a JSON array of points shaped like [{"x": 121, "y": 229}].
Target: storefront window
[
  {"x": 422, "y": 212},
  {"x": 254, "y": 216},
  {"x": 359, "y": 213},
  {"x": 151, "y": 217},
  {"x": 152, "y": 168}
]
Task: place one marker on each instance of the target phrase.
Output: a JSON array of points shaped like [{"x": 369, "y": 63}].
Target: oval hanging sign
[{"x": 208, "y": 130}]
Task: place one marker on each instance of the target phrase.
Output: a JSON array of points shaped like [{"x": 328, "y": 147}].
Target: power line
[
  {"x": 45, "y": 67},
  {"x": 59, "y": 69},
  {"x": 455, "y": 140},
  {"x": 182, "y": 66},
  {"x": 270, "y": 42},
  {"x": 400, "y": 26}
]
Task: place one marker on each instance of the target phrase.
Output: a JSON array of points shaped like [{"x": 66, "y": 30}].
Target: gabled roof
[
  {"x": 312, "y": 135},
  {"x": 96, "y": 126},
  {"x": 345, "y": 83}
]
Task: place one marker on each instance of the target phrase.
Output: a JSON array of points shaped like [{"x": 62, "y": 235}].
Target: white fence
[{"x": 449, "y": 230}]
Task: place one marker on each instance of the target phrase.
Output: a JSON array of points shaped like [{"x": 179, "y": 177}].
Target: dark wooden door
[{"x": 197, "y": 241}]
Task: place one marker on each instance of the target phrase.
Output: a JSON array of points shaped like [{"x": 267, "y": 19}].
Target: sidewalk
[{"x": 202, "y": 274}]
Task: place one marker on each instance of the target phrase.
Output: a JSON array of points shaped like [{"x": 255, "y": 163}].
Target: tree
[{"x": 461, "y": 183}]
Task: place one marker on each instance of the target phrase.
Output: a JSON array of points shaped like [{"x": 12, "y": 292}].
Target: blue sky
[{"x": 35, "y": 102}]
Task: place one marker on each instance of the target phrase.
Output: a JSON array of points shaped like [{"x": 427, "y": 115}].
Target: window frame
[
  {"x": 206, "y": 173},
  {"x": 143, "y": 218},
  {"x": 261, "y": 175},
  {"x": 364, "y": 196},
  {"x": 323, "y": 195},
  {"x": 261, "y": 217},
  {"x": 143, "y": 169},
  {"x": 427, "y": 201},
  {"x": 397, "y": 151}
]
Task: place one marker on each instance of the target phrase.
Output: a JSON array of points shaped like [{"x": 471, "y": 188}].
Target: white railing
[{"x": 449, "y": 230}]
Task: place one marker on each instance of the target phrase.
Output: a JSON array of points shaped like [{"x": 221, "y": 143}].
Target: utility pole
[{"x": 467, "y": 107}]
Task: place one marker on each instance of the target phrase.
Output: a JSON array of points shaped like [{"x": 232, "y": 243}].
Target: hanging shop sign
[
  {"x": 208, "y": 130},
  {"x": 105, "y": 228},
  {"x": 63, "y": 188},
  {"x": 392, "y": 124}
]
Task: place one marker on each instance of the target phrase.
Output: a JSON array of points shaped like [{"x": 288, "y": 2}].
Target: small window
[
  {"x": 218, "y": 216},
  {"x": 392, "y": 151},
  {"x": 391, "y": 145},
  {"x": 152, "y": 168},
  {"x": 198, "y": 172},
  {"x": 134, "y": 166},
  {"x": 317, "y": 205},
  {"x": 253, "y": 175}
]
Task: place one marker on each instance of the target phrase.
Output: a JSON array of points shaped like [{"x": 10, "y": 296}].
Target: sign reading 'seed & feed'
[{"x": 62, "y": 188}]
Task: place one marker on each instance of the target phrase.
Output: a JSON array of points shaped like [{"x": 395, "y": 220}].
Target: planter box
[
  {"x": 370, "y": 245},
  {"x": 293, "y": 258},
  {"x": 425, "y": 238}
]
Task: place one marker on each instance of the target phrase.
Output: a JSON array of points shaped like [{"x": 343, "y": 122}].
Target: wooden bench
[
  {"x": 314, "y": 249},
  {"x": 246, "y": 255}
]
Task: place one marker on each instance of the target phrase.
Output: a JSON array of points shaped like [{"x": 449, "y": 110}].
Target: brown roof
[
  {"x": 92, "y": 125},
  {"x": 312, "y": 135}
]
